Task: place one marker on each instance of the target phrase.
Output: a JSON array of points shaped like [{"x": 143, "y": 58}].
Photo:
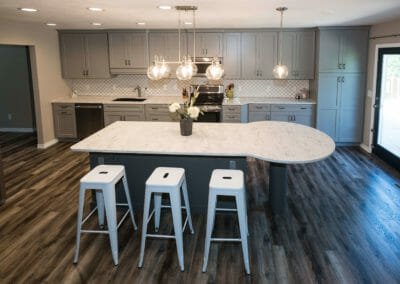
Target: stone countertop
[
  {"x": 179, "y": 99},
  {"x": 272, "y": 141}
]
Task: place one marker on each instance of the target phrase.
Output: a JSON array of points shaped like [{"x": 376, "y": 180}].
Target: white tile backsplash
[{"x": 123, "y": 85}]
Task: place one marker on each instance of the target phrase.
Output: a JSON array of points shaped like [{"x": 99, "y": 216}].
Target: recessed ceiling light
[
  {"x": 188, "y": 23},
  {"x": 164, "y": 7},
  {"x": 28, "y": 9},
  {"x": 96, "y": 24},
  {"x": 141, "y": 23},
  {"x": 51, "y": 24},
  {"x": 95, "y": 9}
]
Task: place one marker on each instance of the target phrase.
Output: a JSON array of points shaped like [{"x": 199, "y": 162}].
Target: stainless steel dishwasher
[{"x": 89, "y": 119}]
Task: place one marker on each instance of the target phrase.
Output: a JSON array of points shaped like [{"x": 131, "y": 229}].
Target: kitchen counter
[
  {"x": 172, "y": 99},
  {"x": 143, "y": 146}
]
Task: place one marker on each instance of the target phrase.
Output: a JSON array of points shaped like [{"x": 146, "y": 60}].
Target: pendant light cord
[
  {"x": 280, "y": 40},
  {"x": 179, "y": 36},
  {"x": 194, "y": 36}
]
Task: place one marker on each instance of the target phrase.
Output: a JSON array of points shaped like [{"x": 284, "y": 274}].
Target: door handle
[{"x": 376, "y": 105}]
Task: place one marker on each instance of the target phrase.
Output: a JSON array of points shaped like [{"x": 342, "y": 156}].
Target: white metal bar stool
[
  {"x": 103, "y": 179},
  {"x": 171, "y": 181},
  {"x": 227, "y": 183}
]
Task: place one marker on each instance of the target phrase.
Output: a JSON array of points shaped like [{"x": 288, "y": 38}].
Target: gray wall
[{"x": 16, "y": 105}]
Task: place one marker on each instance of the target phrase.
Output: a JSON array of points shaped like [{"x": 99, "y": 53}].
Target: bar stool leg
[
  {"x": 175, "y": 198},
  {"x": 129, "y": 201},
  {"x": 212, "y": 201},
  {"x": 111, "y": 214},
  {"x": 157, "y": 210},
  {"x": 187, "y": 205},
  {"x": 100, "y": 207},
  {"x": 79, "y": 222},
  {"x": 243, "y": 229},
  {"x": 146, "y": 208}
]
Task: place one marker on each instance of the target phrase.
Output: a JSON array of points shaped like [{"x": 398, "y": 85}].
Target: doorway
[{"x": 386, "y": 141}]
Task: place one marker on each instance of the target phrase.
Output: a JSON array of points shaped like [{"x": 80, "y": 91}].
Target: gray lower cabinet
[
  {"x": 158, "y": 112},
  {"x": 128, "y": 52},
  {"x": 259, "y": 54},
  {"x": 297, "y": 113},
  {"x": 343, "y": 50},
  {"x": 231, "y": 113},
  {"x": 259, "y": 112},
  {"x": 232, "y": 53},
  {"x": 341, "y": 105},
  {"x": 64, "y": 121},
  {"x": 298, "y": 54},
  {"x": 84, "y": 55},
  {"x": 124, "y": 112}
]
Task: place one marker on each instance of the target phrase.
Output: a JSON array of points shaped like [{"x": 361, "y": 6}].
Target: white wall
[
  {"x": 46, "y": 69},
  {"x": 388, "y": 28}
]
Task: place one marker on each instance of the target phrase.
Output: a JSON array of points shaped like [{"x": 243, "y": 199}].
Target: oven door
[{"x": 212, "y": 116}]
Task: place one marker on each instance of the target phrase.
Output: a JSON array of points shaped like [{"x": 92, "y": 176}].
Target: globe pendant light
[
  {"x": 280, "y": 71},
  {"x": 214, "y": 71}
]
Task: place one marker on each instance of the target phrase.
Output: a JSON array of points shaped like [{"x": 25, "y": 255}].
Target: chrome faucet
[{"x": 138, "y": 89}]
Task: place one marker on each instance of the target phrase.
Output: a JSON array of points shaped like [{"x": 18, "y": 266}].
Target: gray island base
[{"x": 143, "y": 146}]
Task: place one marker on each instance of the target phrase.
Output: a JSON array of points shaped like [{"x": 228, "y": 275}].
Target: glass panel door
[{"x": 387, "y": 104}]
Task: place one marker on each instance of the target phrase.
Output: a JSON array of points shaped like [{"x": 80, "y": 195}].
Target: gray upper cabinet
[
  {"x": 231, "y": 60},
  {"x": 208, "y": 44},
  {"x": 128, "y": 52},
  {"x": 298, "y": 54},
  {"x": 84, "y": 55},
  {"x": 343, "y": 50},
  {"x": 259, "y": 54}
]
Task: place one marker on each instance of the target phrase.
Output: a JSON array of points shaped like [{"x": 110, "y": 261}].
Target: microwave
[{"x": 202, "y": 63}]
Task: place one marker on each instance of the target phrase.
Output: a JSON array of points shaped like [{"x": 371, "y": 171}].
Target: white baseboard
[
  {"x": 47, "y": 144},
  {"x": 22, "y": 130},
  {"x": 366, "y": 148}
]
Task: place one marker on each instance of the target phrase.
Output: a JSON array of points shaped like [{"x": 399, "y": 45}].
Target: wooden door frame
[{"x": 2, "y": 186}]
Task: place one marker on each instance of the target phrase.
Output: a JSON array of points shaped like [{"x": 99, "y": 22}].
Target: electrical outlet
[
  {"x": 9, "y": 116},
  {"x": 232, "y": 165}
]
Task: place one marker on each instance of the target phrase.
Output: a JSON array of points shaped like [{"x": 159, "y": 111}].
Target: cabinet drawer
[
  {"x": 231, "y": 117},
  {"x": 64, "y": 107},
  {"x": 259, "y": 107},
  {"x": 292, "y": 107},
  {"x": 124, "y": 107},
  {"x": 158, "y": 117},
  {"x": 231, "y": 109},
  {"x": 155, "y": 108},
  {"x": 259, "y": 116}
]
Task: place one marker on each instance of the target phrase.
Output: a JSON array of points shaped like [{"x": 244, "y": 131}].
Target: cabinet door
[
  {"x": 259, "y": 116},
  {"x": 134, "y": 116},
  {"x": 212, "y": 43},
  {"x": 280, "y": 116},
  {"x": 137, "y": 51},
  {"x": 327, "y": 121},
  {"x": 329, "y": 90},
  {"x": 289, "y": 52},
  {"x": 118, "y": 49},
  {"x": 304, "y": 119},
  {"x": 73, "y": 55},
  {"x": 354, "y": 50},
  {"x": 305, "y": 55},
  {"x": 112, "y": 116},
  {"x": 249, "y": 56},
  {"x": 231, "y": 61},
  {"x": 267, "y": 54},
  {"x": 65, "y": 124},
  {"x": 97, "y": 64},
  {"x": 329, "y": 51},
  {"x": 351, "y": 108}
]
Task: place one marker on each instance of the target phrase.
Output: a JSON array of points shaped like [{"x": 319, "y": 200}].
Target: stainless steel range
[{"x": 210, "y": 101}]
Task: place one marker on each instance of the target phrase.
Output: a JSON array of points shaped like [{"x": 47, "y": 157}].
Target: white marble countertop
[
  {"x": 272, "y": 141},
  {"x": 179, "y": 99}
]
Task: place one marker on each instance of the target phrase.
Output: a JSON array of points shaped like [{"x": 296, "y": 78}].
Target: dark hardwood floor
[{"x": 343, "y": 226}]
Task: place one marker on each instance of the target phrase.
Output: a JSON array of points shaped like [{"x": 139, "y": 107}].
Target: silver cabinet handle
[
  {"x": 281, "y": 107},
  {"x": 342, "y": 79},
  {"x": 339, "y": 79},
  {"x": 258, "y": 107},
  {"x": 129, "y": 62},
  {"x": 294, "y": 118},
  {"x": 344, "y": 65}
]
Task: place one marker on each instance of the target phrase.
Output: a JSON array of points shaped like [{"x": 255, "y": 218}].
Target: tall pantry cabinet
[{"x": 341, "y": 73}]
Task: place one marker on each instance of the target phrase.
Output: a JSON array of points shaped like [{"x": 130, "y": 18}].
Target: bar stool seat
[
  {"x": 103, "y": 179},
  {"x": 227, "y": 183},
  {"x": 170, "y": 181}
]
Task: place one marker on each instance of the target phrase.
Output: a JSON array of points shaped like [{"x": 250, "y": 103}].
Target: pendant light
[
  {"x": 280, "y": 71},
  {"x": 214, "y": 71}
]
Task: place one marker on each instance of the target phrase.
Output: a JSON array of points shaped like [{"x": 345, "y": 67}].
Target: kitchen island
[{"x": 143, "y": 146}]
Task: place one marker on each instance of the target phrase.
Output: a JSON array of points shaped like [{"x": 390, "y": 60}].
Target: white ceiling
[{"x": 73, "y": 14}]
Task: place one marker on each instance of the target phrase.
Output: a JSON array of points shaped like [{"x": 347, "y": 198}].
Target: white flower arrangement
[{"x": 188, "y": 111}]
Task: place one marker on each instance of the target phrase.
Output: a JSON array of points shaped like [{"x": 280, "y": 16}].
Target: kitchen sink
[{"x": 129, "y": 100}]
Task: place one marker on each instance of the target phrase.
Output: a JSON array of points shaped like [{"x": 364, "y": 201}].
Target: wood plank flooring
[{"x": 343, "y": 226}]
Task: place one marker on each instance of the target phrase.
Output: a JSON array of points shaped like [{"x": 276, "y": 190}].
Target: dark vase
[{"x": 186, "y": 126}]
